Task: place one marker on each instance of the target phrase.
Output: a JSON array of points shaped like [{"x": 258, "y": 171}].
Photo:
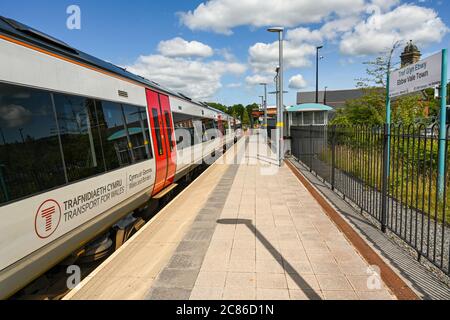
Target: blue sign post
[
  {"x": 388, "y": 110},
  {"x": 388, "y": 119},
  {"x": 442, "y": 125}
]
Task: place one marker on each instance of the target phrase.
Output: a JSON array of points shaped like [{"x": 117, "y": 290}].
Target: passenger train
[{"x": 82, "y": 144}]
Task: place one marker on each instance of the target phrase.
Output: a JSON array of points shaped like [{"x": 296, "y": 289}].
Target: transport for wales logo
[{"x": 47, "y": 219}]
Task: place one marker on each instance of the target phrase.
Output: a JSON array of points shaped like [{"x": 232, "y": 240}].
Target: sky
[{"x": 220, "y": 50}]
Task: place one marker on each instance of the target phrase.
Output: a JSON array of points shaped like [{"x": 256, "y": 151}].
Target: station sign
[{"x": 421, "y": 75}]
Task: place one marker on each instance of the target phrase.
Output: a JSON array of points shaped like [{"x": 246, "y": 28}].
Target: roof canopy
[{"x": 309, "y": 107}]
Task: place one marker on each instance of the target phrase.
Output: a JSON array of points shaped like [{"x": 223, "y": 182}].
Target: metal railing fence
[{"x": 402, "y": 194}]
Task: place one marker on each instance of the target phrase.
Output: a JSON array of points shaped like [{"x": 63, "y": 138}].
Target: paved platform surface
[{"x": 245, "y": 230}]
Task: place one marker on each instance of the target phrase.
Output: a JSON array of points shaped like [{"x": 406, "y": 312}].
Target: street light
[
  {"x": 265, "y": 104},
  {"x": 317, "y": 73},
  {"x": 325, "y": 96},
  {"x": 262, "y": 103},
  {"x": 279, "y": 125}
]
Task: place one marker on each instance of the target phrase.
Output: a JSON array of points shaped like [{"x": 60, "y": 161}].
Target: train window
[
  {"x": 169, "y": 129},
  {"x": 143, "y": 120},
  {"x": 182, "y": 120},
  {"x": 138, "y": 138},
  {"x": 111, "y": 125},
  {"x": 183, "y": 124},
  {"x": 197, "y": 136},
  {"x": 157, "y": 131},
  {"x": 30, "y": 154},
  {"x": 221, "y": 125},
  {"x": 208, "y": 124},
  {"x": 79, "y": 136},
  {"x": 193, "y": 125}
]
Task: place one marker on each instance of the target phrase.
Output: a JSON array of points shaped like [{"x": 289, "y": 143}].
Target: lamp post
[
  {"x": 262, "y": 103},
  {"x": 265, "y": 105},
  {"x": 325, "y": 96},
  {"x": 317, "y": 73},
  {"x": 279, "y": 125}
]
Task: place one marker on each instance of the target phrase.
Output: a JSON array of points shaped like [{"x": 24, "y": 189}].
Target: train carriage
[{"x": 82, "y": 144}]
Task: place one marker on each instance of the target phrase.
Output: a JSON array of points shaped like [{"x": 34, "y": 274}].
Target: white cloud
[
  {"x": 263, "y": 57},
  {"x": 335, "y": 28},
  {"x": 381, "y": 30},
  {"x": 195, "y": 78},
  {"x": 300, "y": 35},
  {"x": 297, "y": 82},
  {"x": 329, "y": 31},
  {"x": 362, "y": 27},
  {"x": 256, "y": 79},
  {"x": 222, "y": 16},
  {"x": 382, "y": 5},
  {"x": 178, "y": 47},
  {"x": 234, "y": 85},
  {"x": 226, "y": 54}
]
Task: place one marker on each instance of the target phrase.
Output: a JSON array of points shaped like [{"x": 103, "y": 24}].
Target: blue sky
[{"x": 217, "y": 50}]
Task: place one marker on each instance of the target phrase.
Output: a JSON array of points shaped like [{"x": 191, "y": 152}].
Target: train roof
[{"x": 23, "y": 32}]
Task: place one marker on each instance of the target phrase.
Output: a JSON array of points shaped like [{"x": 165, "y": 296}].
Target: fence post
[
  {"x": 333, "y": 156},
  {"x": 384, "y": 187}
]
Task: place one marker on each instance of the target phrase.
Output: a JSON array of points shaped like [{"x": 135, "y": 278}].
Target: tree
[
  {"x": 367, "y": 110},
  {"x": 433, "y": 104},
  {"x": 233, "y": 114},
  {"x": 375, "y": 74},
  {"x": 370, "y": 109},
  {"x": 238, "y": 109},
  {"x": 408, "y": 110},
  {"x": 219, "y": 106},
  {"x": 245, "y": 119},
  {"x": 249, "y": 109}
]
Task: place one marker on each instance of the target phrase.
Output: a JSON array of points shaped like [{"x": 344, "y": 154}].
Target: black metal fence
[{"x": 402, "y": 194}]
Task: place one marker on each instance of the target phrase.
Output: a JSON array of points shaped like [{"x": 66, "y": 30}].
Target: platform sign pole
[
  {"x": 386, "y": 150},
  {"x": 388, "y": 118},
  {"x": 442, "y": 125},
  {"x": 388, "y": 109}
]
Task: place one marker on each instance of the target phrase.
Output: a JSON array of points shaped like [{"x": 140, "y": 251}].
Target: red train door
[
  {"x": 170, "y": 141},
  {"x": 163, "y": 139},
  {"x": 220, "y": 123}
]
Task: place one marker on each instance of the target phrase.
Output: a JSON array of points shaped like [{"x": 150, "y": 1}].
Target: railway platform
[{"x": 245, "y": 229}]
